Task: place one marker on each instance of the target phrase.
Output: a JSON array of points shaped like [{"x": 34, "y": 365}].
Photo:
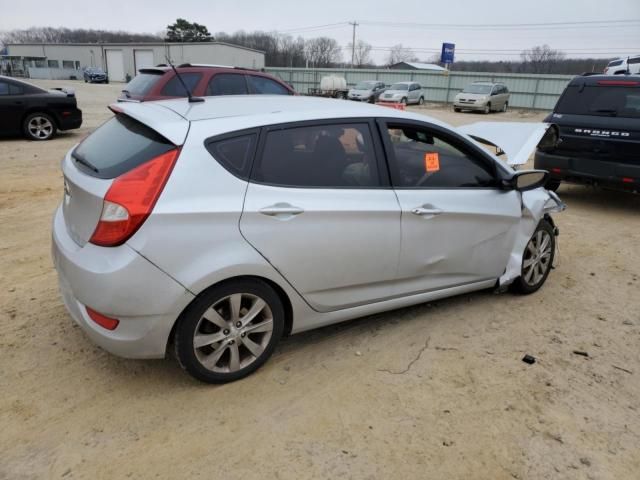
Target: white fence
[
  {"x": 527, "y": 90},
  {"x": 45, "y": 73}
]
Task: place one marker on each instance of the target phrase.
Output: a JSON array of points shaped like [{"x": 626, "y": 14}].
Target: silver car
[
  {"x": 404, "y": 92},
  {"x": 483, "y": 96},
  {"x": 217, "y": 228},
  {"x": 367, "y": 91}
]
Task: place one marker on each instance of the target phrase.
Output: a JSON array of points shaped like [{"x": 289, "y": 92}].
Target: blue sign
[{"x": 448, "y": 49}]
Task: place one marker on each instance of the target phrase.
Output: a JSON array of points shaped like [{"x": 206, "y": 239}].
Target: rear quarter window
[
  {"x": 119, "y": 145},
  {"x": 235, "y": 151},
  {"x": 174, "y": 88}
]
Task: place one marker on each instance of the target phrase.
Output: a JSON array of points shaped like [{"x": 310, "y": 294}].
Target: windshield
[
  {"x": 399, "y": 86},
  {"x": 364, "y": 86},
  {"x": 94, "y": 70},
  {"x": 613, "y": 101},
  {"x": 475, "y": 88},
  {"x": 615, "y": 63}
]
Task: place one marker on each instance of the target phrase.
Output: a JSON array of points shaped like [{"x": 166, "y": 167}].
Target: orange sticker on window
[{"x": 431, "y": 161}]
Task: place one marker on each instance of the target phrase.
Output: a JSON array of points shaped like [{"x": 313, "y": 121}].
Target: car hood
[
  {"x": 517, "y": 140},
  {"x": 472, "y": 96},
  {"x": 396, "y": 92},
  {"x": 353, "y": 91}
]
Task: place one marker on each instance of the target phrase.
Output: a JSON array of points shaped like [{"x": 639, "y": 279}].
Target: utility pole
[{"x": 353, "y": 44}]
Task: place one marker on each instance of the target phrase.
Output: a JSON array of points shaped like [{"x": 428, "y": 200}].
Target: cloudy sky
[{"x": 496, "y": 29}]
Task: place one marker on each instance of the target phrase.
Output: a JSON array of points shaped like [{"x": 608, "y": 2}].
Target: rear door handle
[
  {"x": 426, "y": 211},
  {"x": 281, "y": 209}
]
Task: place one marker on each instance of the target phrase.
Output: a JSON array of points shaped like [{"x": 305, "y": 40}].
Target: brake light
[
  {"x": 627, "y": 180},
  {"x": 102, "y": 320},
  {"x": 556, "y": 170},
  {"x": 131, "y": 198},
  {"x": 619, "y": 83}
]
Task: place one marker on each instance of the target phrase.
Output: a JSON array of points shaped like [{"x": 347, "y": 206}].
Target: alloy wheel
[
  {"x": 40, "y": 127},
  {"x": 537, "y": 258},
  {"x": 233, "y": 333}
]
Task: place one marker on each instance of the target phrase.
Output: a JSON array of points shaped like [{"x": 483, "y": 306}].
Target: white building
[{"x": 120, "y": 60}]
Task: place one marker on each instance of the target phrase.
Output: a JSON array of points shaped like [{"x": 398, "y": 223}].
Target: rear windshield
[
  {"x": 612, "y": 101},
  {"x": 118, "y": 146},
  {"x": 399, "y": 86},
  {"x": 142, "y": 83}
]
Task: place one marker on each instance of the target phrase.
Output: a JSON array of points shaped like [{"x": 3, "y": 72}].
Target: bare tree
[
  {"x": 362, "y": 54},
  {"x": 541, "y": 59},
  {"x": 76, "y": 35},
  {"x": 322, "y": 52},
  {"x": 399, "y": 54}
]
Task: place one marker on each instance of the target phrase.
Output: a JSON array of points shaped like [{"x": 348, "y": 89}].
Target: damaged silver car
[{"x": 215, "y": 228}]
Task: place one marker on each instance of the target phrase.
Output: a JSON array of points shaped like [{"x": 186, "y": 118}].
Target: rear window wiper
[
  {"x": 84, "y": 162},
  {"x": 611, "y": 112},
  {"x": 127, "y": 93}
]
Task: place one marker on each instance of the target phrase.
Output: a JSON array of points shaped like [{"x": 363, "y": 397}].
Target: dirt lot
[{"x": 435, "y": 391}]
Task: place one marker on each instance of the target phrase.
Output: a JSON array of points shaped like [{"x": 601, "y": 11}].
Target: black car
[
  {"x": 597, "y": 129},
  {"x": 37, "y": 113},
  {"x": 95, "y": 75}
]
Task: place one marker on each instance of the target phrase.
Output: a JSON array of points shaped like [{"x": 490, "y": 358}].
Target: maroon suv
[{"x": 159, "y": 83}]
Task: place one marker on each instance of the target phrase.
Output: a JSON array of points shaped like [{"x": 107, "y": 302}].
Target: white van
[{"x": 621, "y": 66}]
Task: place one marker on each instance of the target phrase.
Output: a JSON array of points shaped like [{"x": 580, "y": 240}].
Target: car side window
[
  {"x": 173, "y": 88},
  {"x": 227, "y": 84},
  {"x": 425, "y": 159},
  {"x": 15, "y": 90},
  {"x": 4, "y": 88},
  {"x": 329, "y": 156},
  {"x": 263, "y": 85},
  {"x": 633, "y": 61},
  {"x": 234, "y": 153}
]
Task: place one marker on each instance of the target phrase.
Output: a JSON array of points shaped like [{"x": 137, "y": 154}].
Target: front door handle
[
  {"x": 281, "y": 209},
  {"x": 426, "y": 211}
]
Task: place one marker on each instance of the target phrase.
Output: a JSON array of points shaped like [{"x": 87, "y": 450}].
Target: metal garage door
[
  {"x": 143, "y": 59},
  {"x": 115, "y": 65}
]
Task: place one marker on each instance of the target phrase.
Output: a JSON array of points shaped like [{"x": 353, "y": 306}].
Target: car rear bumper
[
  {"x": 621, "y": 176},
  {"x": 119, "y": 283},
  {"x": 71, "y": 121}
]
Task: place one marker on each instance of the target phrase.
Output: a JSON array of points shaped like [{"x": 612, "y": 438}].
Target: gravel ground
[{"x": 433, "y": 391}]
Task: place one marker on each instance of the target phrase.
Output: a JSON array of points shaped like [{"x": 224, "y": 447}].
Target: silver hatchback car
[{"x": 215, "y": 228}]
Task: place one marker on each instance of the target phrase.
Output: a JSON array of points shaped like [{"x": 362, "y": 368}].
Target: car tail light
[
  {"x": 556, "y": 170},
  {"x": 131, "y": 198},
  {"x": 627, "y": 180},
  {"x": 619, "y": 83},
  {"x": 102, "y": 320}
]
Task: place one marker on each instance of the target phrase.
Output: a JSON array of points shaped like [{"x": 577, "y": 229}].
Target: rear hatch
[
  {"x": 116, "y": 148},
  {"x": 138, "y": 88},
  {"x": 600, "y": 122}
]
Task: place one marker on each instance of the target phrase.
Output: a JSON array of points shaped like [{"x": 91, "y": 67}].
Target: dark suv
[
  {"x": 598, "y": 134},
  {"x": 160, "y": 83}
]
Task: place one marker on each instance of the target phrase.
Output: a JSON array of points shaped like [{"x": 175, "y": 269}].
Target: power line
[{"x": 550, "y": 25}]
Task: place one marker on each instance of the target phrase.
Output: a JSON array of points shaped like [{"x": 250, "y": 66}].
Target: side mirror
[{"x": 528, "y": 180}]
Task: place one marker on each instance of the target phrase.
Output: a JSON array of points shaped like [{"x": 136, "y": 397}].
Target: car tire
[
  {"x": 505, "y": 107},
  {"x": 487, "y": 109},
  {"x": 39, "y": 126},
  {"x": 215, "y": 343},
  {"x": 537, "y": 260},
  {"x": 456, "y": 109},
  {"x": 421, "y": 101},
  {"x": 85, "y": 80},
  {"x": 552, "y": 185},
  {"x": 403, "y": 101}
]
